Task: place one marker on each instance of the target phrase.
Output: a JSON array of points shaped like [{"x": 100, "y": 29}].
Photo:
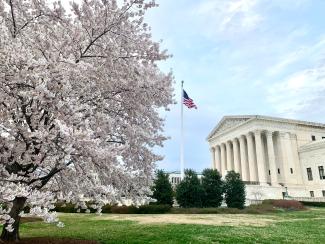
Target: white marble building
[
  {"x": 175, "y": 177},
  {"x": 274, "y": 156}
]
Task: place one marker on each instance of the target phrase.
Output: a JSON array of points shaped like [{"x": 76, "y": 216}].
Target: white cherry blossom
[{"x": 79, "y": 98}]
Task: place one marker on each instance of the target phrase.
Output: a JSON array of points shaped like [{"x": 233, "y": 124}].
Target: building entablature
[{"x": 251, "y": 127}]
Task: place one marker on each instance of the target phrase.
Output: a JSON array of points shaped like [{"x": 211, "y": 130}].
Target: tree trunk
[{"x": 18, "y": 205}]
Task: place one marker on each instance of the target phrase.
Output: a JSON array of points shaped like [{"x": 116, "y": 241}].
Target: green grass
[{"x": 289, "y": 227}]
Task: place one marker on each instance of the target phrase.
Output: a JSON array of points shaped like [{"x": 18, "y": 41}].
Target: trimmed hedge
[
  {"x": 253, "y": 209},
  {"x": 285, "y": 204},
  {"x": 107, "y": 208},
  {"x": 313, "y": 204},
  {"x": 205, "y": 211},
  {"x": 153, "y": 209},
  {"x": 265, "y": 207},
  {"x": 65, "y": 208},
  {"x": 70, "y": 208},
  {"x": 124, "y": 209},
  {"x": 145, "y": 209}
]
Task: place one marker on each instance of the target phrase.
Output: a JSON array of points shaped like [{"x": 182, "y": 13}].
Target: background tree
[
  {"x": 189, "y": 193},
  {"x": 79, "y": 100},
  {"x": 162, "y": 189},
  {"x": 213, "y": 188},
  {"x": 235, "y": 193}
]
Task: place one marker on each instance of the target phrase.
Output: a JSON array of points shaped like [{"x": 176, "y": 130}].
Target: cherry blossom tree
[{"x": 80, "y": 94}]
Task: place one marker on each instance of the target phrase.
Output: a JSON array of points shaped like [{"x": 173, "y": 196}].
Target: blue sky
[{"x": 239, "y": 57}]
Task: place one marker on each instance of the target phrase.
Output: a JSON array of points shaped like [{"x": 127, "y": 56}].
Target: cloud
[
  {"x": 229, "y": 16},
  {"x": 289, "y": 4},
  {"x": 299, "y": 93},
  {"x": 286, "y": 60},
  {"x": 309, "y": 52},
  {"x": 229, "y": 19},
  {"x": 302, "y": 90}
]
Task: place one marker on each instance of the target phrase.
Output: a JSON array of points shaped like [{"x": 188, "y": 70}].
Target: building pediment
[{"x": 227, "y": 123}]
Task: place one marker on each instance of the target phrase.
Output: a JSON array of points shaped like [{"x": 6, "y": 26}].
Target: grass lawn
[{"x": 283, "y": 227}]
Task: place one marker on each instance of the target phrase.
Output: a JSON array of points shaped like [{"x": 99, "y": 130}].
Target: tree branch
[
  {"x": 92, "y": 42},
  {"x": 29, "y": 21},
  {"x": 13, "y": 18}
]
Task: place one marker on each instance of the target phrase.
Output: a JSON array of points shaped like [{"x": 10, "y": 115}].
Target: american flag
[{"x": 187, "y": 101}]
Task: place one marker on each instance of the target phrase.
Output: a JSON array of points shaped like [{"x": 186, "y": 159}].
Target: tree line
[{"x": 207, "y": 192}]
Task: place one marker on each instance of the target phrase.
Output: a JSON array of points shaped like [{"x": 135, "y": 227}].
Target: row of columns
[{"x": 247, "y": 158}]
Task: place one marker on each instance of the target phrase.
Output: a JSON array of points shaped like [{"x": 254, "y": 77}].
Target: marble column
[
  {"x": 217, "y": 158},
  {"x": 251, "y": 158},
  {"x": 229, "y": 156},
  {"x": 260, "y": 158},
  {"x": 223, "y": 159},
  {"x": 236, "y": 155},
  {"x": 290, "y": 159},
  {"x": 243, "y": 159},
  {"x": 284, "y": 167},
  {"x": 271, "y": 154},
  {"x": 298, "y": 167},
  {"x": 213, "y": 163}
]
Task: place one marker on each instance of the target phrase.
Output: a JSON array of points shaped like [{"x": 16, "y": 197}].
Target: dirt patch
[
  {"x": 201, "y": 219},
  {"x": 306, "y": 219},
  {"x": 51, "y": 241},
  {"x": 30, "y": 219}
]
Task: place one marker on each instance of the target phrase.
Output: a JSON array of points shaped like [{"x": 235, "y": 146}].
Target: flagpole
[{"x": 182, "y": 135}]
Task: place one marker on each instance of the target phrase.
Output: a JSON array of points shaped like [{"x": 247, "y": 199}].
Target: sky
[{"x": 239, "y": 57}]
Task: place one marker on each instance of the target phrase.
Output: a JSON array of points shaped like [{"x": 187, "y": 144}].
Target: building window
[
  {"x": 269, "y": 172},
  {"x": 291, "y": 170},
  {"x": 321, "y": 172},
  {"x": 323, "y": 193},
  {"x": 278, "y": 171},
  {"x": 309, "y": 174},
  {"x": 312, "y": 194},
  {"x": 323, "y": 137},
  {"x": 313, "y": 138}
]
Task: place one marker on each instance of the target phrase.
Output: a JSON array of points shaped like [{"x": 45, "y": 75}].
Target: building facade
[
  {"x": 274, "y": 156},
  {"x": 312, "y": 159},
  {"x": 175, "y": 177}
]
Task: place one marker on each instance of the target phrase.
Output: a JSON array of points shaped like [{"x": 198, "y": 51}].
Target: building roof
[
  {"x": 315, "y": 145},
  {"x": 179, "y": 172},
  {"x": 240, "y": 119}
]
